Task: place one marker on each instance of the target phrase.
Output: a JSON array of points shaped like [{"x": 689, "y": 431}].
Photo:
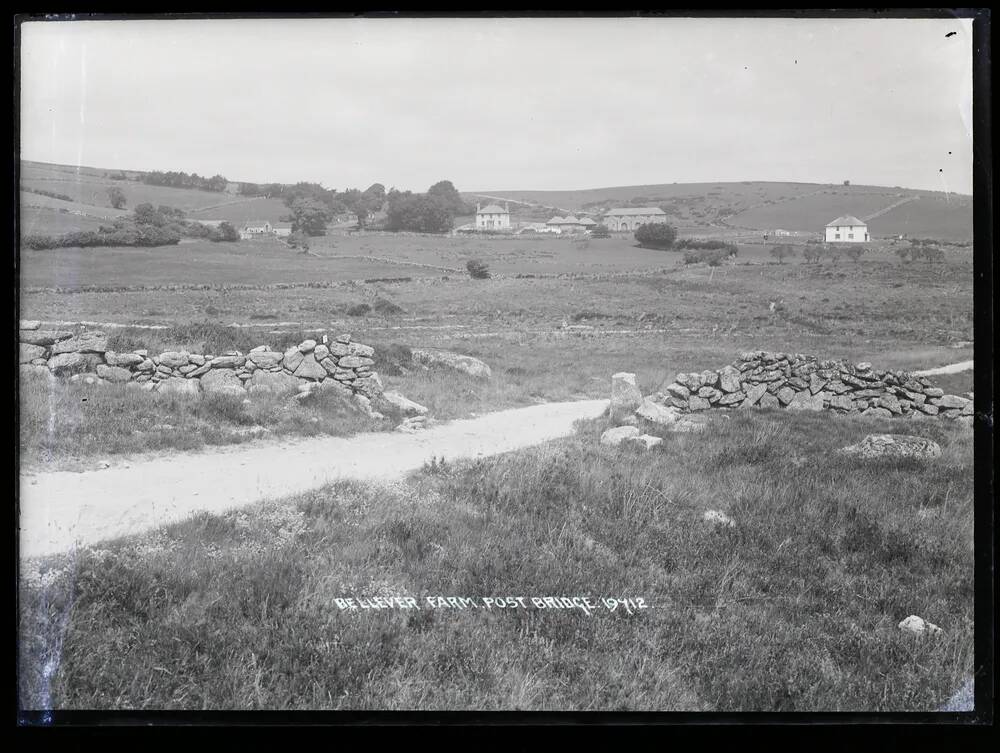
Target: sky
[{"x": 506, "y": 104}]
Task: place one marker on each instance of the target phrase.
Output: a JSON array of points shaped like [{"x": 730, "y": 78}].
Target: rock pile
[
  {"x": 338, "y": 364},
  {"x": 802, "y": 382}
]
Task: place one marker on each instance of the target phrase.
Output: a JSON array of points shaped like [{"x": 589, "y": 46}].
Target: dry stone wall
[
  {"x": 337, "y": 363},
  {"x": 803, "y": 382}
]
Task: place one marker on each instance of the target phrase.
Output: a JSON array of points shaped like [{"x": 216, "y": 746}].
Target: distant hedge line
[{"x": 143, "y": 235}]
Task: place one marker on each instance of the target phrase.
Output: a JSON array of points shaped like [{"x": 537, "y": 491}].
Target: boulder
[
  {"x": 698, "y": 403},
  {"x": 46, "y": 337},
  {"x": 28, "y": 324},
  {"x": 146, "y": 365},
  {"x": 338, "y": 349},
  {"x": 444, "y": 359},
  {"x": 292, "y": 358},
  {"x": 893, "y": 446},
  {"x": 274, "y": 382},
  {"x": 729, "y": 379},
  {"x": 625, "y": 396},
  {"x": 768, "y": 400},
  {"x": 264, "y": 358},
  {"x": 175, "y": 386},
  {"x": 354, "y": 362},
  {"x": 65, "y": 364},
  {"x": 647, "y": 441},
  {"x": 228, "y": 361},
  {"x": 307, "y": 346},
  {"x": 918, "y": 626},
  {"x": 320, "y": 352},
  {"x": 402, "y": 405},
  {"x": 786, "y": 395},
  {"x": 877, "y": 412},
  {"x": 933, "y": 392},
  {"x": 366, "y": 351},
  {"x": 952, "y": 401},
  {"x": 805, "y": 400},
  {"x": 220, "y": 382},
  {"x": 27, "y": 353},
  {"x": 679, "y": 390},
  {"x": 126, "y": 360},
  {"x": 174, "y": 359},
  {"x": 754, "y": 394},
  {"x": 890, "y": 403},
  {"x": 658, "y": 414},
  {"x": 309, "y": 369},
  {"x": 86, "y": 342},
  {"x": 115, "y": 374},
  {"x": 732, "y": 398},
  {"x": 614, "y": 437},
  {"x": 841, "y": 402}
]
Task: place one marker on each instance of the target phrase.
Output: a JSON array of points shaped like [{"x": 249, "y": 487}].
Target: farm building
[
  {"x": 629, "y": 218},
  {"x": 282, "y": 229},
  {"x": 847, "y": 229},
  {"x": 256, "y": 229},
  {"x": 492, "y": 217},
  {"x": 538, "y": 227},
  {"x": 570, "y": 224}
]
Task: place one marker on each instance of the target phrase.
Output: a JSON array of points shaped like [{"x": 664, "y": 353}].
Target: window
[
  {"x": 850, "y": 236},
  {"x": 836, "y": 237}
]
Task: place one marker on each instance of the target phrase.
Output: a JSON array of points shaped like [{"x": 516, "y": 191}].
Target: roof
[
  {"x": 557, "y": 220},
  {"x": 846, "y": 219},
  {"x": 256, "y": 223},
  {"x": 281, "y": 225},
  {"x": 492, "y": 209},
  {"x": 587, "y": 221},
  {"x": 636, "y": 211}
]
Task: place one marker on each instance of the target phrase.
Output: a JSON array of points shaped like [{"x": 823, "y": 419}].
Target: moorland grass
[
  {"x": 61, "y": 423},
  {"x": 795, "y": 608}
]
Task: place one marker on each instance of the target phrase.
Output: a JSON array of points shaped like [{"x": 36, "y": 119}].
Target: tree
[
  {"x": 147, "y": 214},
  {"x": 227, "y": 232},
  {"x": 117, "y": 197},
  {"x": 782, "y": 252},
  {"x": 847, "y": 182},
  {"x": 478, "y": 270},
  {"x": 657, "y": 235},
  {"x": 446, "y": 191},
  {"x": 419, "y": 213},
  {"x": 309, "y": 216}
]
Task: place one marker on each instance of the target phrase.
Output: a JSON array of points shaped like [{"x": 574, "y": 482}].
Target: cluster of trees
[
  {"x": 184, "y": 180},
  {"x": 147, "y": 226},
  {"x": 117, "y": 197}
]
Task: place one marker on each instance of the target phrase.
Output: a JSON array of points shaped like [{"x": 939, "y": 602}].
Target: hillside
[
  {"x": 88, "y": 204},
  {"x": 756, "y": 205}
]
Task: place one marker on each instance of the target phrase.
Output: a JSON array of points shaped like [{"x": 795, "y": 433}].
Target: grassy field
[{"x": 793, "y": 609}]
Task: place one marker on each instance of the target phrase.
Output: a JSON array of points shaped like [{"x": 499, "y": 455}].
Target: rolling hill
[
  {"x": 87, "y": 204},
  {"x": 754, "y": 205}
]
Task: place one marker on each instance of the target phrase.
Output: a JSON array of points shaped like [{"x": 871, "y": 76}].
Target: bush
[
  {"x": 477, "y": 270},
  {"x": 729, "y": 249},
  {"x": 385, "y": 307},
  {"x": 392, "y": 359},
  {"x": 656, "y": 235},
  {"x": 359, "y": 309},
  {"x": 782, "y": 252},
  {"x": 712, "y": 257},
  {"x": 600, "y": 231}
]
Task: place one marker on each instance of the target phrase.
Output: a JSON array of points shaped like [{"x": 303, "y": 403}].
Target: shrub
[
  {"x": 729, "y": 249},
  {"x": 812, "y": 253},
  {"x": 782, "y": 252},
  {"x": 600, "y": 231},
  {"x": 478, "y": 270},
  {"x": 385, "y": 307},
  {"x": 393, "y": 358},
  {"x": 854, "y": 252},
  {"x": 656, "y": 235},
  {"x": 712, "y": 257},
  {"x": 359, "y": 309}
]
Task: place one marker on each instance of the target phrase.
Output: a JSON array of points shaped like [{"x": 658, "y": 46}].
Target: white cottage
[
  {"x": 847, "y": 229},
  {"x": 492, "y": 217}
]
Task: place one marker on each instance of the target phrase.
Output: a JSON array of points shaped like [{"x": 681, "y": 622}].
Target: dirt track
[{"x": 61, "y": 509}]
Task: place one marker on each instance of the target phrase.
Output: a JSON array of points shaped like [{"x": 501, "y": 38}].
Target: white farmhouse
[
  {"x": 492, "y": 217},
  {"x": 847, "y": 229},
  {"x": 255, "y": 229}
]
